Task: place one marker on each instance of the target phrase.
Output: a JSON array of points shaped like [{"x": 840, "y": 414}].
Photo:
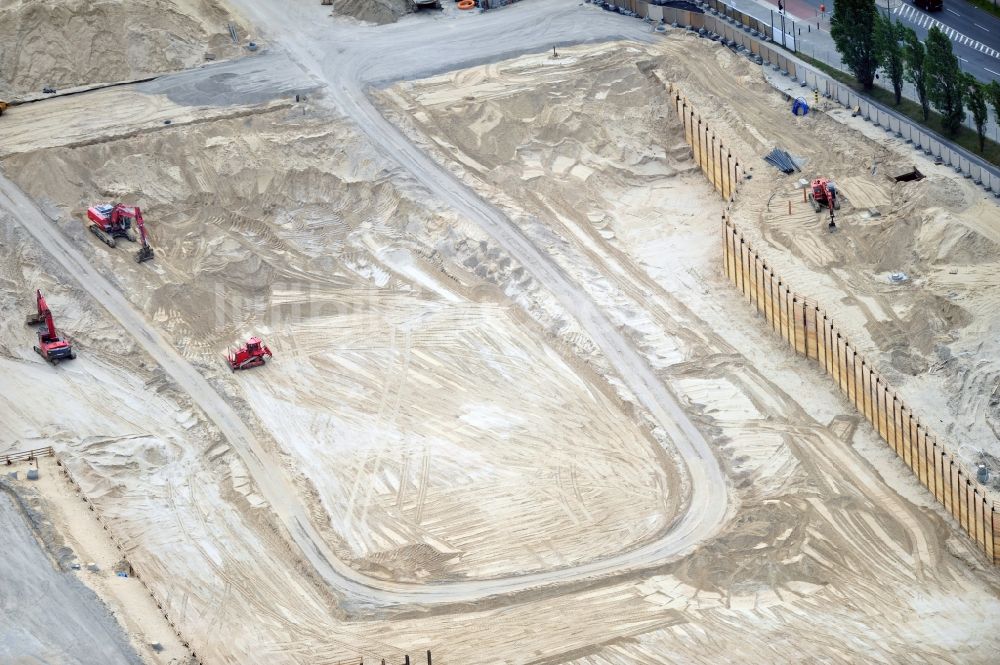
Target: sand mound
[
  {"x": 76, "y": 42},
  {"x": 374, "y": 11}
]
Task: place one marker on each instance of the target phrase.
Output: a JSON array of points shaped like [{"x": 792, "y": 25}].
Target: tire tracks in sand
[{"x": 538, "y": 27}]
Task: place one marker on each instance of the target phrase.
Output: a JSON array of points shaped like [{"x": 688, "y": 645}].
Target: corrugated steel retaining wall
[
  {"x": 744, "y": 31},
  {"x": 811, "y": 333}
]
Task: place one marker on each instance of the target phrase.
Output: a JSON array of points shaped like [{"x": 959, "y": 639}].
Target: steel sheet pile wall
[
  {"x": 717, "y": 17},
  {"x": 744, "y": 31},
  {"x": 717, "y": 162},
  {"x": 811, "y": 333}
]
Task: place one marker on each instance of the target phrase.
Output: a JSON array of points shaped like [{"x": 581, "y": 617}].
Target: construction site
[{"x": 373, "y": 332}]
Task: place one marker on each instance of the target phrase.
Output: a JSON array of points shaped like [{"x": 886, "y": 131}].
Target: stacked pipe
[{"x": 782, "y": 161}]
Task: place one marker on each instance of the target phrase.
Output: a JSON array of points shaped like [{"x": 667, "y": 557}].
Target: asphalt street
[{"x": 975, "y": 33}]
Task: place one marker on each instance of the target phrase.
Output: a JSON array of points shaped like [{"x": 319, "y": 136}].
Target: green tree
[
  {"x": 944, "y": 81},
  {"x": 853, "y": 30},
  {"x": 992, "y": 92},
  {"x": 975, "y": 94},
  {"x": 889, "y": 50},
  {"x": 915, "y": 55}
]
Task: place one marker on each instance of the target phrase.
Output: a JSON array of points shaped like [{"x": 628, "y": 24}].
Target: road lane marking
[
  {"x": 924, "y": 20},
  {"x": 991, "y": 71}
]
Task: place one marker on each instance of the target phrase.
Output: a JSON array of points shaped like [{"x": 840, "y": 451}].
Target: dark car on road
[{"x": 929, "y": 5}]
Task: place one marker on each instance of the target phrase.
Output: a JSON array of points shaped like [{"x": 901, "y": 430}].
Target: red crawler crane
[
  {"x": 249, "y": 355},
  {"x": 51, "y": 346}
]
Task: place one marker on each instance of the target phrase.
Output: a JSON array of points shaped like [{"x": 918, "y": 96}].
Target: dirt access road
[
  {"x": 534, "y": 27},
  {"x": 74, "y": 628}
]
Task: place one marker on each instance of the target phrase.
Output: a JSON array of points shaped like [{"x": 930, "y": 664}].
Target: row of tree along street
[{"x": 869, "y": 41}]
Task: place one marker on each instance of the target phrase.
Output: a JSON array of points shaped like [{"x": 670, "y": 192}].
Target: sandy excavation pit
[
  {"x": 391, "y": 398},
  {"x": 910, "y": 275},
  {"x": 582, "y": 152},
  {"x": 448, "y": 427}
]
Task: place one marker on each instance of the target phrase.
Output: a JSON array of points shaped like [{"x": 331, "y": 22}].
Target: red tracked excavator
[
  {"x": 824, "y": 193},
  {"x": 51, "y": 346},
  {"x": 249, "y": 355},
  {"x": 108, "y": 222}
]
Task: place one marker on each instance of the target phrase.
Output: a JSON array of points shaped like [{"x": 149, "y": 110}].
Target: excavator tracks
[{"x": 105, "y": 238}]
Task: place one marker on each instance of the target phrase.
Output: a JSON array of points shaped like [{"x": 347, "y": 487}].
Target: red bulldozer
[
  {"x": 249, "y": 355},
  {"x": 51, "y": 346},
  {"x": 108, "y": 222},
  {"x": 824, "y": 193}
]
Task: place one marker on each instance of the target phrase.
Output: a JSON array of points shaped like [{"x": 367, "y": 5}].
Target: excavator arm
[
  {"x": 145, "y": 252},
  {"x": 831, "y": 203},
  {"x": 41, "y": 310}
]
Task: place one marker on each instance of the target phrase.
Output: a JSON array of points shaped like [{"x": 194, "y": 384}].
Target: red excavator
[
  {"x": 108, "y": 222},
  {"x": 249, "y": 355},
  {"x": 824, "y": 193},
  {"x": 51, "y": 346}
]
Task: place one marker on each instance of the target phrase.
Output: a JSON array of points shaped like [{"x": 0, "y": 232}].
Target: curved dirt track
[{"x": 347, "y": 57}]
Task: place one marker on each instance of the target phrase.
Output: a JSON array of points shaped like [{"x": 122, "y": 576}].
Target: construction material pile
[
  {"x": 373, "y": 11},
  {"x": 783, "y": 161},
  {"x": 60, "y": 44}
]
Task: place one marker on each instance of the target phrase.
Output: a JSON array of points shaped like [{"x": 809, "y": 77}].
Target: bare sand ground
[
  {"x": 445, "y": 418},
  {"x": 286, "y": 227}
]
